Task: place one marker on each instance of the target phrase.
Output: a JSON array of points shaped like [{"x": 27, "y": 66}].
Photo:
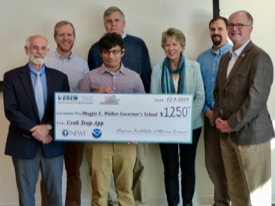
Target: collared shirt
[
  {"x": 122, "y": 81},
  {"x": 209, "y": 63},
  {"x": 74, "y": 66},
  {"x": 234, "y": 56},
  {"x": 43, "y": 78},
  {"x": 123, "y": 35}
]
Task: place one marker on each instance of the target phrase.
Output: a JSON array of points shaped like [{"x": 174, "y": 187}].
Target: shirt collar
[
  {"x": 60, "y": 57},
  {"x": 239, "y": 51},
  {"x": 222, "y": 50},
  {"x": 123, "y": 35},
  {"x": 33, "y": 70},
  {"x": 103, "y": 69}
]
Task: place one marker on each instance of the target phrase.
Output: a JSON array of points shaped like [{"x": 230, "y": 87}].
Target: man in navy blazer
[{"x": 30, "y": 137}]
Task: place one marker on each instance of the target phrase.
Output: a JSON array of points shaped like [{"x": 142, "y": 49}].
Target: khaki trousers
[
  {"x": 105, "y": 158},
  {"x": 139, "y": 181},
  {"x": 248, "y": 171}
]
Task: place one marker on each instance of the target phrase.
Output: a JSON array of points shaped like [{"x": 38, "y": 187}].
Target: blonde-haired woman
[{"x": 177, "y": 75}]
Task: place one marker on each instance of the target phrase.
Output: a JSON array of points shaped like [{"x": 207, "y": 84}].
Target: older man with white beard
[{"x": 28, "y": 103}]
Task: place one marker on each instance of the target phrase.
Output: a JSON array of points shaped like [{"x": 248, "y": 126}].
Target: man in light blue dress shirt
[
  {"x": 64, "y": 60},
  {"x": 209, "y": 62}
]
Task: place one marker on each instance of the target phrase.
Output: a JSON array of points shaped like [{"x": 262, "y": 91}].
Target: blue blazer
[
  {"x": 22, "y": 113},
  {"x": 193, "y": 85}
]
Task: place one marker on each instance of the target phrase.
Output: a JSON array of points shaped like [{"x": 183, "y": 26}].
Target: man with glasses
[
  {"x": 137, "y": 59},
  {"x": 105, "y": 158},
  {"x": 209, "y": 64},
  {"x": 29, "y": 107},
  {"x": 242, "y": 88}
]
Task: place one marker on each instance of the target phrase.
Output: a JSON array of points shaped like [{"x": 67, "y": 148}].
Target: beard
[
  {"x": 216, "y": 42},
  {"x": 37, "y": 59}
]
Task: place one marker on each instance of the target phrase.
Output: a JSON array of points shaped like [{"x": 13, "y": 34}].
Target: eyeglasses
[
  {"x": 114, "y": 52},
  {"x": 36, "y": 48},
  {"x": 238, "y": 26}
]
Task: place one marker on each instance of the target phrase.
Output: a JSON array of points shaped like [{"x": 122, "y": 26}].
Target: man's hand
[
  {"x": 209, "y": 115},
  {"x": 47, "y": 139},
  {"x": 40, "y": 132},
  {"x": 223, "y": 126},
  {"x": 105, "y": 89}
]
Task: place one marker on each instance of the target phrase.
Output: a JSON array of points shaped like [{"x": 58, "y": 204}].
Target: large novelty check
[{"x": 123, "y": 117}]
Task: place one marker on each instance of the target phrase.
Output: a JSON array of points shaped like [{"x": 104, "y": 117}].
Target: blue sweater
[{"x": 136, "y": 58}]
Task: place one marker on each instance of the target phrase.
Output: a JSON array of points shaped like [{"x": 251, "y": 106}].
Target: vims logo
[
  {"x": 70, "y": 97},
  {"x": 96, "y": 133}
]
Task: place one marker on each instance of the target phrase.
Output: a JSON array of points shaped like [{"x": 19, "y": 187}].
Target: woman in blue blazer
[{"x": 177, "y": 75}]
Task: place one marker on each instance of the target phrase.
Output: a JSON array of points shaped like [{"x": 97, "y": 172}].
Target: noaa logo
[
  {"x": 65, "y": 132},
  {"x": 96, "y": 133}
]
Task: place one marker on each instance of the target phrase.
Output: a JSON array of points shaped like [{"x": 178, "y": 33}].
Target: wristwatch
[{"x": 49, "y": 127}]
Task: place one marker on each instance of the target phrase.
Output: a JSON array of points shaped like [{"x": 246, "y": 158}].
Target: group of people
[{"x": 230, "y": 86}]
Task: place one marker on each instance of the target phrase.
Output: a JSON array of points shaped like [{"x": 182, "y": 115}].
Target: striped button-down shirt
[
  {"x": 122, "y": 81},
  {"x": 74, "y": 66}
]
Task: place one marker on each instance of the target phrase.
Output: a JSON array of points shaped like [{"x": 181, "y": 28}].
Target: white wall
[{"x": 146, "y": 19}]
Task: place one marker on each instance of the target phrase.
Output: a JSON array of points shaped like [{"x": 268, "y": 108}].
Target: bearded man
[
  {"x": 29, "y": 106},
  {"x": 209, "y": 61}
]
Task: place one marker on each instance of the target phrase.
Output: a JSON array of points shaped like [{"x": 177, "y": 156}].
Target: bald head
[{"x": 240, "y": 28}]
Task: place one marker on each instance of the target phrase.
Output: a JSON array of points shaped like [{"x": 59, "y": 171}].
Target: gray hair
[
  {"x": 113, "y": 9},
  {"x": 29, "y": 39}
]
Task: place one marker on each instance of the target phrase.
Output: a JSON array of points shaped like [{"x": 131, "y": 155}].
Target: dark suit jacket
[
  {"x": 21, "y": 111},
  {"x": 241, "y": 98}
]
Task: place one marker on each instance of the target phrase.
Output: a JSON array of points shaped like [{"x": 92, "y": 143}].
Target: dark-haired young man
[
  {"x": 209, "y": 62},
  {"x": 136, "y": 59},
  {"x": 105, "y": 158}
]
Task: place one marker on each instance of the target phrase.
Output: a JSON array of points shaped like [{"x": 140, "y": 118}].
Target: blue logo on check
[
  {"x": 96, "y": 133},
  {"x": 65, "y": 132}
]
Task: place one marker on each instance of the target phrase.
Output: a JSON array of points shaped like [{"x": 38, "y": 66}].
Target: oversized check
[{"x": 123, "y": 117}]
